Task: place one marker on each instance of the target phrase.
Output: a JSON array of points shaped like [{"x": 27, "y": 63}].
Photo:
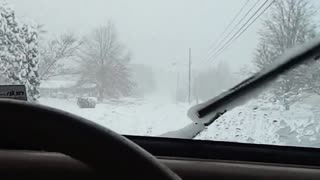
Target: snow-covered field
[
  {"x": 129, "y": 116},
  {"x": 256, "y": 122}
]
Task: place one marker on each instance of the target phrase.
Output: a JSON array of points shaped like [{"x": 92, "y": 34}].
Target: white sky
[{"x": 157, "y": 32}]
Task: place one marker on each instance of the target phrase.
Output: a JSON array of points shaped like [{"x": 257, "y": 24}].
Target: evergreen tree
[{"x": 19, "y": 52}]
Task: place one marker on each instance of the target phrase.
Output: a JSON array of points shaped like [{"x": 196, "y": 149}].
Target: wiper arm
[
  {"x": 206, "y": 113},
  {"x": 211, "y": 110},
  {"x": 188, "y": 132}
]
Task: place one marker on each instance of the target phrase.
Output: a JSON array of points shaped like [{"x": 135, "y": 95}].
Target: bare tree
[
  {"x": 104, "y": 63},
  {"x": 291, "y": 22},
  {"x": 54, "y": 52}
]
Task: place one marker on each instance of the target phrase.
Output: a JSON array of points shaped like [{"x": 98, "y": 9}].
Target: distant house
[
  {"x": 66, "y": 88},
  {"x": 56, "y": 88}
]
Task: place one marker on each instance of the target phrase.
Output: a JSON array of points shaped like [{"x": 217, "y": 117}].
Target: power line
[
  {"x": 234, "y": 28},
  {"x": 239, "y": 30},
  {"x": 243, "y": 31},
  {"x": 229, "y": 25},
  {"x": 232, "y": 31}
]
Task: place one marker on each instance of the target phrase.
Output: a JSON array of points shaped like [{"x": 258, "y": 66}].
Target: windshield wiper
[
  {"x": 206, "y": 113},
  {"x": 188, "y": 132}
]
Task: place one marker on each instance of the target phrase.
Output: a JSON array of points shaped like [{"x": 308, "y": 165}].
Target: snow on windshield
[{"x": 137, "y": 67}]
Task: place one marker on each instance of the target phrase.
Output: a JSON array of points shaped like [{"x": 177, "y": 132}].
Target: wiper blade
[
  {"x": 188, "y": 132},
  {"x": 206, "y": 113}
]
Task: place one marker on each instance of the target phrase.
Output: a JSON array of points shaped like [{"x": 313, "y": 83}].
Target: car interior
[{"x": 57, "y": 145}]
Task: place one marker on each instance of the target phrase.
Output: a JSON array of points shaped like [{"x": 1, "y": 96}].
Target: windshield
[{"x": 136, "y": 67}]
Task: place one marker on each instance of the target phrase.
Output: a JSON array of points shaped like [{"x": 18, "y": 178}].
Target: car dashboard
[{"x": 236, "y": 161}]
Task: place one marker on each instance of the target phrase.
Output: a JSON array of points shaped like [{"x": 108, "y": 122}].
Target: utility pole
[
  {"x": 189, "y": 92},
  {"x": 177, "y": 88}
]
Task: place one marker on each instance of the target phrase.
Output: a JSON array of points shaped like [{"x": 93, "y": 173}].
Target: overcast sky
[{"x": 158, "y": 32}]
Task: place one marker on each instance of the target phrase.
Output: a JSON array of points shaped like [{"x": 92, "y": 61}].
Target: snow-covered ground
[
  {"x": 130, "y": 116},
  {"x": 255, "y": 122}
]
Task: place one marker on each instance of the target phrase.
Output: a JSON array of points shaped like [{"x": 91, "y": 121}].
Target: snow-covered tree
[
  {"x": 54, "y": 52},
  {"x": 290, "y": 23},
  {"x": 19, "y": 51},
  {"x": 104, "y": 63}
]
